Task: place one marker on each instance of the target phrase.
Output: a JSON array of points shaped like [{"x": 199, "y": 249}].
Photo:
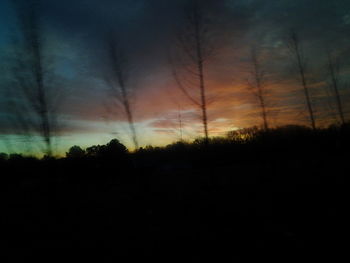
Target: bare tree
[
  {"x": 334, "y": 69},
  {"x": 180, "y": 124},
  {"x": 195, "y": 46},
  {"x": 257, "y": 83},
  {"x": 296, "y": 51},
  {"x": 118, "y": 81},
  {"x": 35, "y": 101}
]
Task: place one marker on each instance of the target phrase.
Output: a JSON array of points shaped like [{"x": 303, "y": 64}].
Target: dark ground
[{"x": 279, "y": 197}]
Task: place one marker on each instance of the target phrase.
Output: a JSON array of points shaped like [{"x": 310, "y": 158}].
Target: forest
[{"x": 274, "y": 195}]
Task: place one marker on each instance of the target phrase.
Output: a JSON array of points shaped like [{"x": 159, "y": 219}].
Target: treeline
[
  {"x": 252, "y": 195},
  {"x": 243, "y": 144}
]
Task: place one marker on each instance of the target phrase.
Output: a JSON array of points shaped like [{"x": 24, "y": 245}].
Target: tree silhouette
[
  {"x": 75, "y": 152},
  {"x": 296, "y": 52},
  {"x": 195, "y": 46},
  {"x": 118, "y": 81},
  {"x": 35, "y": 99},
  {"x": 113, "y": 150},
  {"x": 333, "y": 70},
  {"x": 257, "y": 84}
]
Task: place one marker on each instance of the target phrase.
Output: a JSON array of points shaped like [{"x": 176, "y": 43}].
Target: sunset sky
[{"x": 74, "y": 36}]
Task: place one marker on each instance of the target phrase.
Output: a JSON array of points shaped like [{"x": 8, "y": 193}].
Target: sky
[{"x": 75, "y": 34}]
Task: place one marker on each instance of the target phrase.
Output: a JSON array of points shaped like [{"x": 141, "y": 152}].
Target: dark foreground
[{"x": 280, "y": 197}]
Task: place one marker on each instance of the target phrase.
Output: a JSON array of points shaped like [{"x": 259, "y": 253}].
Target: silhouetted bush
[
  {"x": 3, "y": 157},
  {"x": 16, "y": 157}
]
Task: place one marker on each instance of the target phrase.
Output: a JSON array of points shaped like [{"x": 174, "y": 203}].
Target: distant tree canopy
[
  {"x": 75, "y": 152},
  {"x": 113, "y": 149},
  {"x": 245, "y": 134},
  {"x": 289, "y": 138}
]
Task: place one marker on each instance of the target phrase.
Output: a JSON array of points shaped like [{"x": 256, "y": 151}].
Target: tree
[
  {"x": 296, "y": 52},
  {"x": 75, "y": 152},
  {"x": 118, "y": 81},
  {"x": 257, "y": 83},
  {"x": 180, "y": 124},
  {"x": 112, "y": 150},
  {"x": 195, "y": 46},
  {"x": 35, "y": 100},
  {"x": 333, "y": 70}
]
